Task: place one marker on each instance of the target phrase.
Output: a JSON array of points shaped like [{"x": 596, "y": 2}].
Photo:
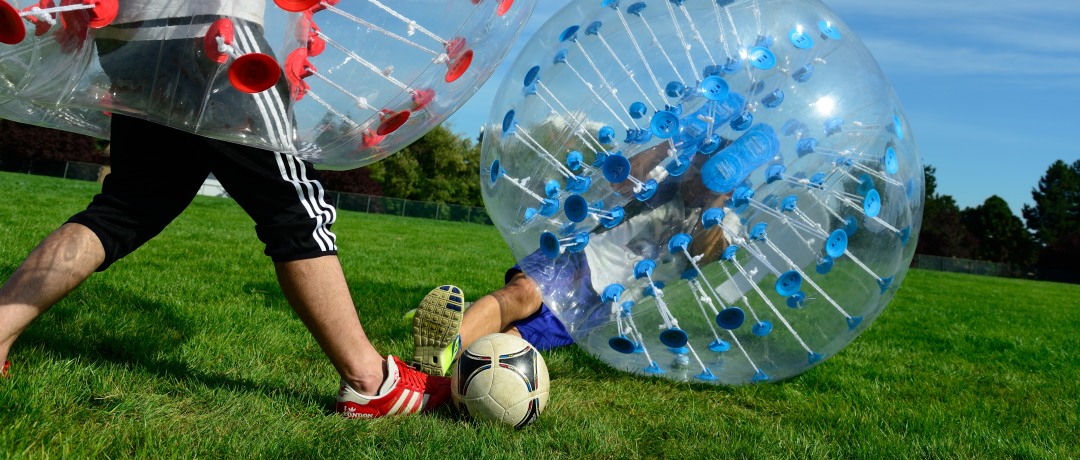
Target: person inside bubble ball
[
  {"x": 154, "y": 57},
  {"x": 444, "y": 324}
]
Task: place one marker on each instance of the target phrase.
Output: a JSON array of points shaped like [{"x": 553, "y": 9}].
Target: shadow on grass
[{"x": 135, "y": 332}]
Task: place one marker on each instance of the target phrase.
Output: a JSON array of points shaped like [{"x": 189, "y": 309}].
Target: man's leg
[
  {"x": 61, "y": 262},
  {"x": 518, "y": 299},
  {"x": 317, "y": 290}
]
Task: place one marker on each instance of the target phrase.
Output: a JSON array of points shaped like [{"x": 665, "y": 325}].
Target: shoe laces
[{"x": 412, "y": 379}]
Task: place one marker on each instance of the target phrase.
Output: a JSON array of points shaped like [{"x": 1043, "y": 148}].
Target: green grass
[{"x": 187, "y": 349}]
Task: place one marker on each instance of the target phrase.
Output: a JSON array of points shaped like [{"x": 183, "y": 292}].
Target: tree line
[
  {"x": 444, "y": 167},
  {"x": 1048, "y": 237}
]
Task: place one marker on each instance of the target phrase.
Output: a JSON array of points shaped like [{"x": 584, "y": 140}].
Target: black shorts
[{"x": 157, "y": 171}]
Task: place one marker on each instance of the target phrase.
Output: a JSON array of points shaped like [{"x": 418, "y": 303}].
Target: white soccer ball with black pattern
[{"x": 501, "y": 378}]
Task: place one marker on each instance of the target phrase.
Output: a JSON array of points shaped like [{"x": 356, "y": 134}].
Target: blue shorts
[{"x": 542, "y": 329}]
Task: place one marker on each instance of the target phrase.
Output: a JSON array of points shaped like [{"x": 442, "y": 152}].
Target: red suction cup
[
  {"x": 12, "y": 28},
  {"x": 103, "y": 13},
  {"x": 40, "y": 27},
  {"x": 458, "y": 66},
  {"x": 221, "y": 28},
  {"x": 254, "y": 73},
  {"x": 391, "y": 121},
  {"x": 297, "y": 68},
  {"x": 421, "y": 98},
  {"x": 370, "y": 139},
  {"x": 295, "y": 6},
  {"x": 504, "y": 6}
]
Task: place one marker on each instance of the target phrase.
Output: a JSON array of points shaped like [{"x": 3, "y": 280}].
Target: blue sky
[{"x": 992, "y": 89}]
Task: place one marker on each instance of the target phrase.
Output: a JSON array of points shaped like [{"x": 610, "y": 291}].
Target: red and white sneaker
[
  {"x": 405, "y": 391},
  {"x": 4, "y": 372}
]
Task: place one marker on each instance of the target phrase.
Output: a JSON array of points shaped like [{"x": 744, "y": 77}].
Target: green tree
[
  {"x": 943, "y": 233},
  {"x": 1055, "y": 217},
  {"x": 440, "y": 167},
  {"x": 1001, "y": 234}
]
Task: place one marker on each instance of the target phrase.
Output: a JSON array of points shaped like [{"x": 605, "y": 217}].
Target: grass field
[{"x": 188, "y": 349}]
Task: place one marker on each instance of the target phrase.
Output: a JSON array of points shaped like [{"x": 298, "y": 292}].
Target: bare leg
[
  {"x": 496, "y": 312},
  {"x": 61, "y": 262},
  {"x": 317, "y": 290}
]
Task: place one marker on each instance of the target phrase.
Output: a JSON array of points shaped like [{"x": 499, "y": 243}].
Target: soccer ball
[{"x": 501, "y": 378}]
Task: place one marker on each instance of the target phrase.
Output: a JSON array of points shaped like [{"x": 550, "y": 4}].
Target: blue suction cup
[
  {"x": 742, "y": 122},
  {"x": 549, "y": 207},
  {"x": 824, "y": 265},
  {"x": 530, "y": 214},
  {"x": 789, "y": 203},
  {"x": 664, "y": 124},
  {"x": 644, "y": 268},
  {"x": 615, "y": 217},
  {"x": 678, "y": 165},
  {"x": 576, "y": 208},
  {"x": 742, "y": 195},
  {"x": 803, "y": 74},
  {"x": 836, "y": 244},
  {"x": 674, "y": 338},
  {"x": 622, "y": 344},
  {"x": 866, "y": 183},
  {"x": 773, "y": 99},
  {"x": 729, "y": 252},
  {"x": 552, "y": 188},
  {"x": 509, "y": 123},
  {"x": 884, "y": 283},
  {"x": 606, "y": 135},
  {"x": 574, "y": 160},
  {"x": 760, "y": 57},
  {"x": 850, "y": 225},
  {"x": 581, "y": 239},
  {"x": 714, "y": 88},
  {"x": 706, "y": 375},
  {"x": 759, "y": 377},
  {"x": 828, "y": 30},
  {"x": 710, "y": 145},
  {"x": 612, "y": 292},
  {"x": 757, "y": 232},
  {"x": 638, "y": 110},
  {"x": 800, "y": 39},
  {"x": 569, "y": 34},
  {"x": 719, "y": 346},
  {"x": 648, "y": 189},
  {"x": 805, "y": 146},
  {"x": 853, "y": 322},
  {"x": 730, "y": 318},
  {"x": 653, "y": 369},
  {"x": 905, "y": 235},
  {"x": 813, "y": 357},
  {"x": 762, "y": 328},
  {"x": 495, "y": 172},
  {"x": 774, "y": 173},
  {"x": 594, "y": 28},
  {"x": 578, "y": 184},
  {"x": 872, "y": 203},
  {"x": 679, "y": 243},
  {"x": 712, "y": 217},
  {"x": 788, "y": 283},
  {"x": 833, "y": 126},
  {"x": 549, "y": 245},
  {"x": 892, "y": 164},
  {"x": 616, "y": 168},
  {"x": 796, "y": 300}
]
